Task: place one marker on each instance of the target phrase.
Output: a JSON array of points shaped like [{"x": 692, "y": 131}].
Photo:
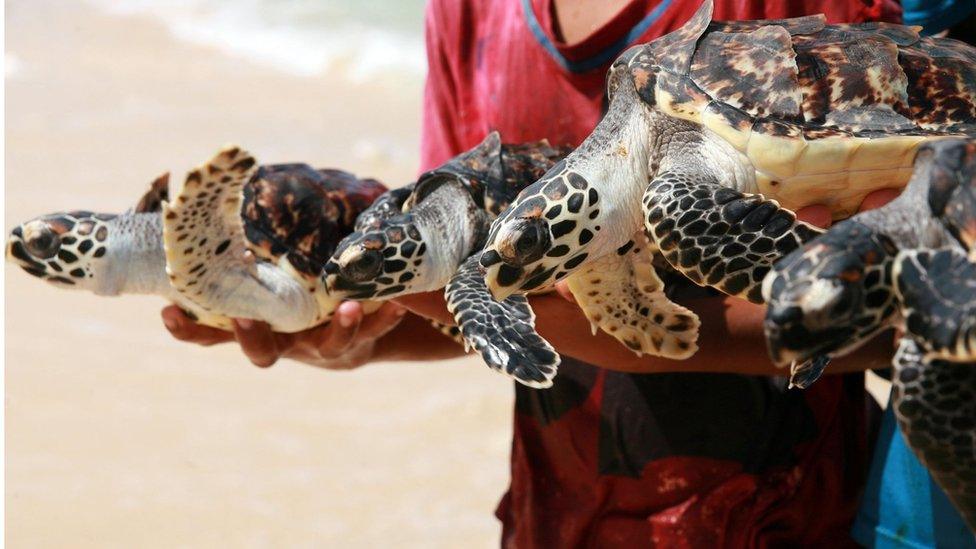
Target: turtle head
[
  {"x": 65, "y": 249},
  {"x": 381, "y": 262},
  {"x": 586, "y": 206},
  {"x": 543, "y": 236},
  {"x": 951, "y": 167},
  {"x": 831, "y": 295}
]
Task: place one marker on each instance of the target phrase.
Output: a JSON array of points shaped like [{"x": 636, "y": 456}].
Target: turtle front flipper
[
  {"x": 937, "y": 290},
  {"x": 502, "y": 332},
  {"x": 717, "y": 236},
  {"x": 209, "y": 263},
  {"x": 933, "y": 402},
  {"x": 622, "y": 294}
]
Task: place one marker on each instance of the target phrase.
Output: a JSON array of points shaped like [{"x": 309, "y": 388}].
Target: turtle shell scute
[
  {"x": 808, "y": 24},
  {"x": 296, "y": 211},
  {"x": 865, "y": 79}
]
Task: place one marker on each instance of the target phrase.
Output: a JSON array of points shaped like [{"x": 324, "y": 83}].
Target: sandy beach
[{"x": 119, "y": 436}]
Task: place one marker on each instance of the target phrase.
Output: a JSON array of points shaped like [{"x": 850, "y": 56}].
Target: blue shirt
[
  {"x": 902, "y": 506},
  {"x": 936, "y": 15}
]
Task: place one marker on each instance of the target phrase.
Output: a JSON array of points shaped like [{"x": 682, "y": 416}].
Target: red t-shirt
[{"x": 621, "y": 460}]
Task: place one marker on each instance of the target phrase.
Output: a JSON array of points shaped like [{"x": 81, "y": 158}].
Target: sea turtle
[
  {"x": 414, "y": 239},
  {"x": 905, "y": 266},
  {"x": 836, "y": 292},
  {"x": 239, "y": 241},
  {"x": 710, "y": 129}
]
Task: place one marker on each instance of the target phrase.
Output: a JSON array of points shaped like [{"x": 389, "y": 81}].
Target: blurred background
[{"x": 117, "y": 435}]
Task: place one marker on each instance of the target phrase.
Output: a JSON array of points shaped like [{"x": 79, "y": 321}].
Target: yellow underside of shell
[{"x": 796, "y": 171}]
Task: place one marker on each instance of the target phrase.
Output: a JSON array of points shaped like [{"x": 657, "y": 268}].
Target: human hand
[
  {"x": 344, "y": 343},
  {"x": 819, "y": 214}
]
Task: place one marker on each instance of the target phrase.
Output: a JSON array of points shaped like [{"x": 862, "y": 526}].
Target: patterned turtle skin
[
  {"x": 292, "y": 217},
  {"x": 905, "y": 266},
  {"x": 935, "y": 405},
  {"x": 937, "y": 288},
  {"x": 714, "y": 134},
  {"x": 419, "y": 238}
]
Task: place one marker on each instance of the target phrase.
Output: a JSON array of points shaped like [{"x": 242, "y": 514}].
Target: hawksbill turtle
[
  {"x": 238, "y": 241},
  {"x": 714, "y": 133},
  {"x": 904, "y": 265},
  {"x": 417, "y": 238}
]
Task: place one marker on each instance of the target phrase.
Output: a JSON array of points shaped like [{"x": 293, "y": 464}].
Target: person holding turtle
[{"x": 622, "y": 450}]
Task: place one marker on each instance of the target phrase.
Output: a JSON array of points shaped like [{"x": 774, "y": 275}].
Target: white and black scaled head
[
  {"x": 65, "y": 249},
  {"x": 831, "y": 295},
  {"x": 576, "y": 210},
  {"x": 544, "y": 235},
  {"x": 104, "y": 253},
  {"x": 383, "y": 261}
]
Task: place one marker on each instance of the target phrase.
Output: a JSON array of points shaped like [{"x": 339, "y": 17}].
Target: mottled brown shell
[
  {"x": 301, "y": 213},
  {"x": 824, "y": 113},
  {"x": 494, "y": 172}
]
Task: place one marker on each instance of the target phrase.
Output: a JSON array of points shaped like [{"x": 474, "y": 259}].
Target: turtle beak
[
  {"x": 501, "y": 278},
  {"x": 500, "y": 292}
]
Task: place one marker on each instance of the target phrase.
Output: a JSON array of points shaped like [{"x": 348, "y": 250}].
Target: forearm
[
  {"x": 731, "y": 340},
  {"x": 416, "y": 340}
]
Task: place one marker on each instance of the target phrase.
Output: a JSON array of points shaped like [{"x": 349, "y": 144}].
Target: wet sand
[{"x": 117, "y": 435}]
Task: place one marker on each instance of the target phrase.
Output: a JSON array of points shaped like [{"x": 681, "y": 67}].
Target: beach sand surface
[{"x": 119, "y": 436}]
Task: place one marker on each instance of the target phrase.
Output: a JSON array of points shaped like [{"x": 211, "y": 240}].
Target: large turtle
[
  {"x": 709, "y": 130},
  {"x": 238, "y": 241},
  {"x": 905, "y": 266},
  {"x": 415, "y": 239}
]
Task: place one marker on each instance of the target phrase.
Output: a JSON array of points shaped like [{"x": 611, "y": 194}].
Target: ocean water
[{"x": 361, "y": 39}]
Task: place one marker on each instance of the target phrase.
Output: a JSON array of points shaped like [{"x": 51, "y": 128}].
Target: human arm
[
  {"x": 731, "y": 338},
  {"x": 349, "y": 341}
]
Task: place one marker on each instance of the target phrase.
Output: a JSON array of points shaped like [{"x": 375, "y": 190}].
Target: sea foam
[{"x": 300, "y": 37}]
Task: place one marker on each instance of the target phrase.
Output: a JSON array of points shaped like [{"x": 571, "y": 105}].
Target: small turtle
[
  {"x": 710, "y": 129},
  {"x": 903, "y": 266},
  {"x": 239, "y": 241},
  {"x": 414, "y": 239},
  {"x": 836, "y": 292}
]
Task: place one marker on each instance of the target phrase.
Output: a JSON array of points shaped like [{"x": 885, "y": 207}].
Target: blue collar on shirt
[{"x": 600, "y": 58}]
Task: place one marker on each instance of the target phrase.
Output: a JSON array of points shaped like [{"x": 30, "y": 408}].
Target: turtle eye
[
  {"x": 528, "y": 241},
  {"x": 364, "y": 266},
  {"x": 43, "y": 243}
]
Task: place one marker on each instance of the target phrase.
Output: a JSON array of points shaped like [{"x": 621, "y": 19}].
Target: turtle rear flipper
[
  {"x": 717, "y": 236},
  {"x": 933, "y": 403},
  {"x": 937, "y": 289},
  {"x": 622, "y": 294},
  {"x": 207, "y": 258},
  {"x": 502, "y": 332}
]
